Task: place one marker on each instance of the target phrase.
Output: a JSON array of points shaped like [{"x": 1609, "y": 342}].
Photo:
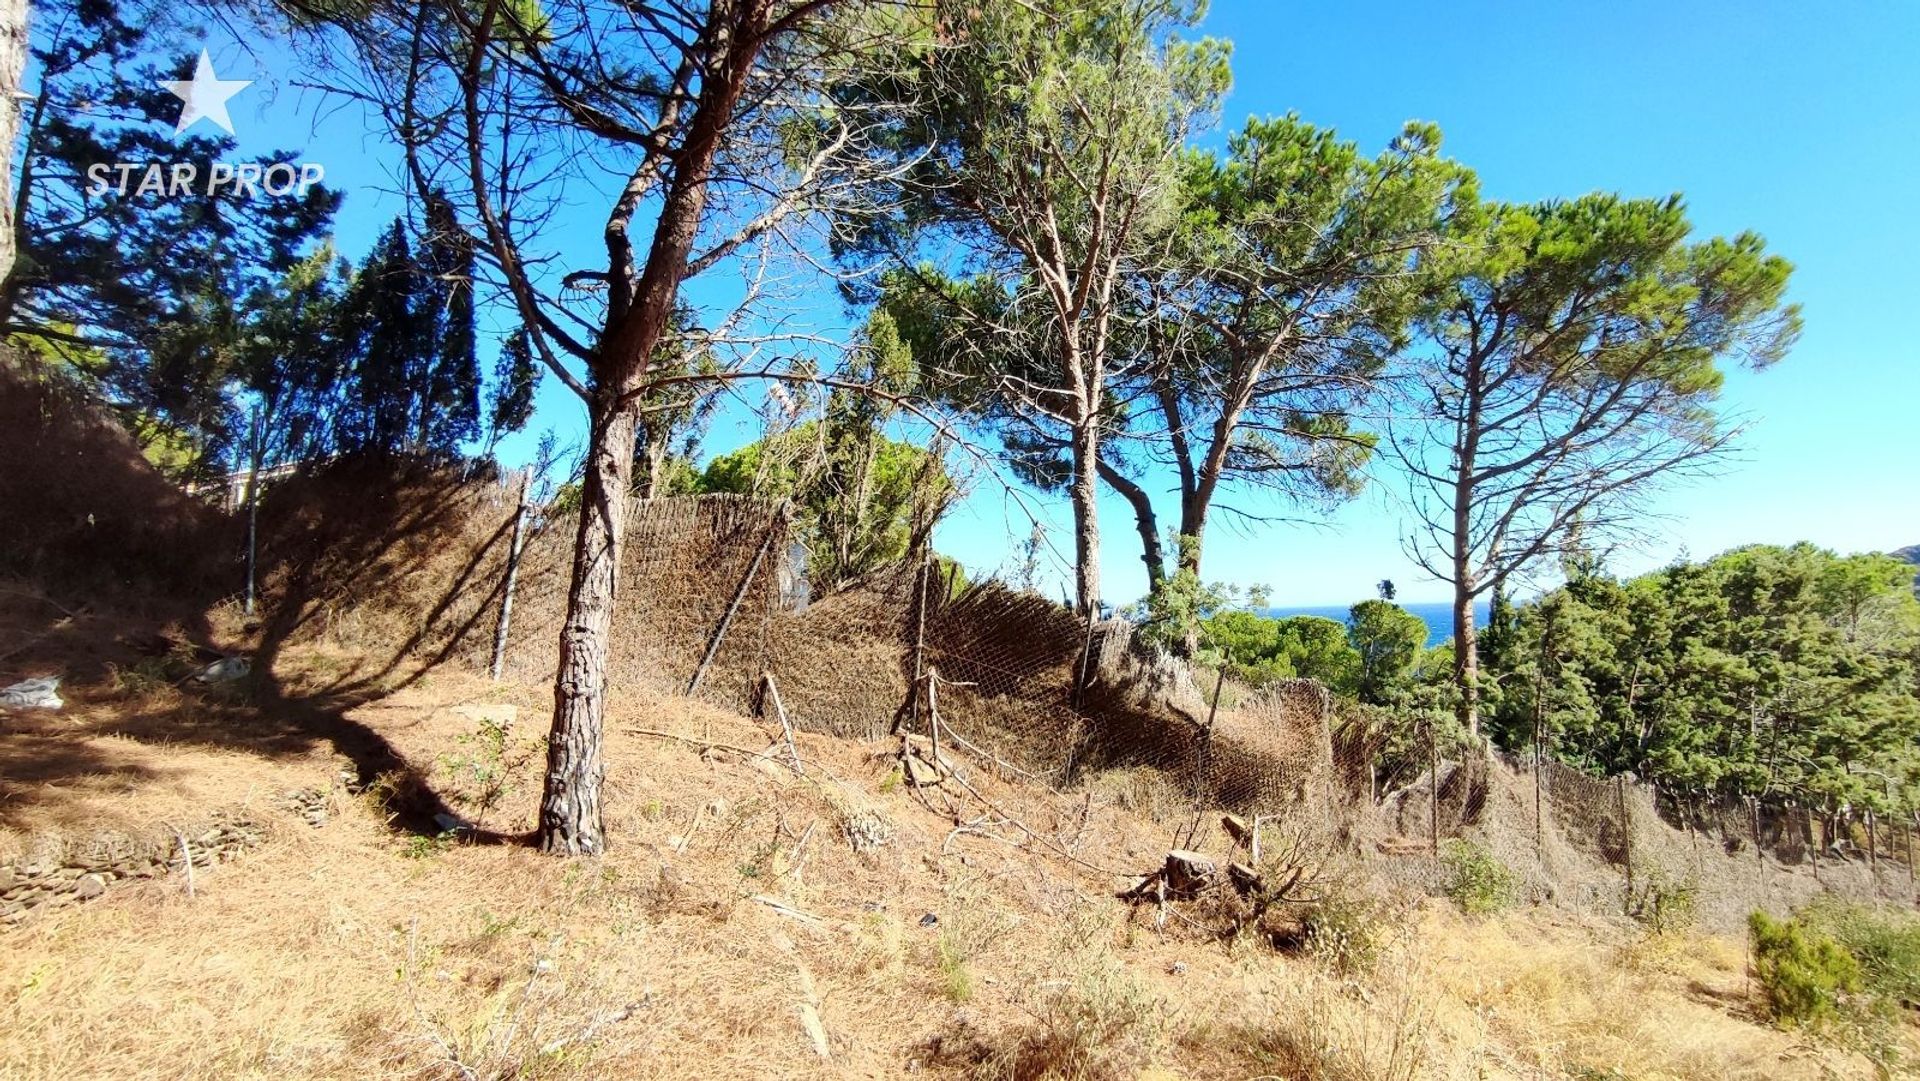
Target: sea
[{"x": 1437, "y": 615}]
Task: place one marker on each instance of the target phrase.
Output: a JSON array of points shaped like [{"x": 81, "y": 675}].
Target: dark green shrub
[
  {"x": 1476, "y": 881},
  {"x": 1885, "y": 941},
  {"x": 1803, "y": 972}
]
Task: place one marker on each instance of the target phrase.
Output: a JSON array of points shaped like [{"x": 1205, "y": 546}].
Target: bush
[
  {"x": 1802, "y": 972},
  {"x": 1476, "y": 881},
  {"x": 1348, "y": 932},
  {"x": 1104, "y": 1025},
  {"x": 1885, "y": 941},
  {"x": 1665, "y": 906}
]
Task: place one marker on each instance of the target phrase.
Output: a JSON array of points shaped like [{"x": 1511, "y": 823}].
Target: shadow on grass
[{"x": 350, "y": 529}]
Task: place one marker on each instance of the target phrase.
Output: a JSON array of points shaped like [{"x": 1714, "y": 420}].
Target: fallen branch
[
  {"x": 186, "y": 857},
  {"x": 788, "y": 910},
  {"x": 704, "y": 744},
  {"x": 586, "y": 1035}
]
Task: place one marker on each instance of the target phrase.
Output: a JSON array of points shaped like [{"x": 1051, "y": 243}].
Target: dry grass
[{"x": 734, "y": 929}]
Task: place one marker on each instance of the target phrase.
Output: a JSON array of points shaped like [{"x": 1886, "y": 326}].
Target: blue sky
[{"x": 1795, "y": 120}]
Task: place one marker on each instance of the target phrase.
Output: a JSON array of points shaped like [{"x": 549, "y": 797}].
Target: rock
[
  {"x": 90, "y": 886},
  {"x": 920, "y": 772},
  {"x": 1178, "y": 968},
  {"x": 866, "y": 830},
  {"x": 7, "y": 878},
  {"x": 929, "y": 920}
]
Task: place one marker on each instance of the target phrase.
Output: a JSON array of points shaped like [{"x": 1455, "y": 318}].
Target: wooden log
[
  {"x": 1245, "y": 879},
  {"x": 1238, "y": 829}
]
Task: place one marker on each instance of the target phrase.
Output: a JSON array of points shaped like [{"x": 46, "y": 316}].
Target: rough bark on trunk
[
  {"x": 13, "y": 64},
  {"x": 652, "y": 466},
  {"x": 1086, "y": 520},
  {"x": 1466, "y": 658},
  {"x": 570, "y": 802},
  {"x": 1145, "y": 522},
  {"x": 1466, "y": 644},
  {"x": 570, "y": 806}
]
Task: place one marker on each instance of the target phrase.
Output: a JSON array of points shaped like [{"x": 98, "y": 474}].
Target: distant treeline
[{"x": 1787, "y": 674}]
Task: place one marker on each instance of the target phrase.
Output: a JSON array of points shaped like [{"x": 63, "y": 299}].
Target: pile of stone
[
  {"x": 57, "y": 874},
  {"x": 309, "y": 804}
]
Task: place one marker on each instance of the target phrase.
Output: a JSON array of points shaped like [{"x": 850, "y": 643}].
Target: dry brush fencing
[{"x": 713, "y": 601}]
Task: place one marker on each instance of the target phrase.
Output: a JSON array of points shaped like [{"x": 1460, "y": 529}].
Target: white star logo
[{"x": 205, "y": 96}]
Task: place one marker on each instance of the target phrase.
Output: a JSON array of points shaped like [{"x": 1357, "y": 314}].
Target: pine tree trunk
[
  {"x": 570, "y": 806},
  {"x": 13, "y": 64},
  {"x": 1086, "y": 519},
  {"x": 1466, "y": 642},
  {"x": 1466, "y": 657},
  {"x": 570, "y": 803}
]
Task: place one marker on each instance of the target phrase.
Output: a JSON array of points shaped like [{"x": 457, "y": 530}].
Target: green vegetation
[
  {"x": 1388, "y": 641},
  {"x": 1885, "y": 940},
  {"x": 864, "y": 497},
  {"x": 1476, "y": 880},
  {"x": 1802, "y": 972},
  {"x": 1782, "y": 673},
  {"x": 1259, "y": 650},
  {"x": 1665, "y": 906}
]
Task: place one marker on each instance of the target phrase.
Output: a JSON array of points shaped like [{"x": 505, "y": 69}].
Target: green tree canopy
[
  {"x": 1283, "y": 285},
  {"x": 1036, "y": 160},
  {"x": 153, "y": 282},
  {"x": 1569, "y": 358},
  {"x": 1388, "y": 640},
  {"x": 1786, "y": 673}
]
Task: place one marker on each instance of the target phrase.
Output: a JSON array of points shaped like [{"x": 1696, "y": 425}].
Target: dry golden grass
[{"x": 735, "y": 930}]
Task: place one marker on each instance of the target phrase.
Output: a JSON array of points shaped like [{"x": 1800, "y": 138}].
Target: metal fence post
[
  {"x": 504, "y": 623},
  {"x": 255, "y": 450},
  {"x": 1433, "y": 787}
]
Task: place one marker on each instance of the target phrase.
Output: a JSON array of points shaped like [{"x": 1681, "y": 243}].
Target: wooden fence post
[
  {"x": 1813, "y": 843},
  {"x": 256, "y": 449},
  {"x": 911, "y": 707},
  {"x": 1084, "y": 670},
  {"x": 1873, "y": 850},
  {"x": 1626, "y": 835}
]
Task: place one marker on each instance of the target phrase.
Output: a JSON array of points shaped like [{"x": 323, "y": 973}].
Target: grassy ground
[{"x": 750, "y": 921}]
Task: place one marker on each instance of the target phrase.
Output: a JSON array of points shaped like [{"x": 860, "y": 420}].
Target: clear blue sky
[{"x": 1796, "y": 120}]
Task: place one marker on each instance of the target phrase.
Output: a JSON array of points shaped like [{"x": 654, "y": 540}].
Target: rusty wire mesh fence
[{"x": 714, "y": 605}]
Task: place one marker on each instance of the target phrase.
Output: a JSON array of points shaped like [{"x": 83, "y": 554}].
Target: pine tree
[
  {"x": 148, "y": 286},
  {"x": 448, "y": 406},
  {"x": 389, "y": 346}
]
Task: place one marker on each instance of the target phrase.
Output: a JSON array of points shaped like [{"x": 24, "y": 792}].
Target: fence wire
[{"x": 712, "y": 600}]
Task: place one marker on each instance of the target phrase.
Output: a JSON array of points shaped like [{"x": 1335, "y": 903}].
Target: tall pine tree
[{"x": 409, "y": 324}]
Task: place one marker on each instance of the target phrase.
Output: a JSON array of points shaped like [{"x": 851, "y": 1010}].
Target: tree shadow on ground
[{"x": 355, "y": 529}]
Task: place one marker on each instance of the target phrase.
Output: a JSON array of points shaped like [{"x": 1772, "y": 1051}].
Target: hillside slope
[{"x": 766, "y": 911}]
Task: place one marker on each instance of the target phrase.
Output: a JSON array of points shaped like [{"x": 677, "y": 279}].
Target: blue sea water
[{"x": 1437, "y": 615}]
